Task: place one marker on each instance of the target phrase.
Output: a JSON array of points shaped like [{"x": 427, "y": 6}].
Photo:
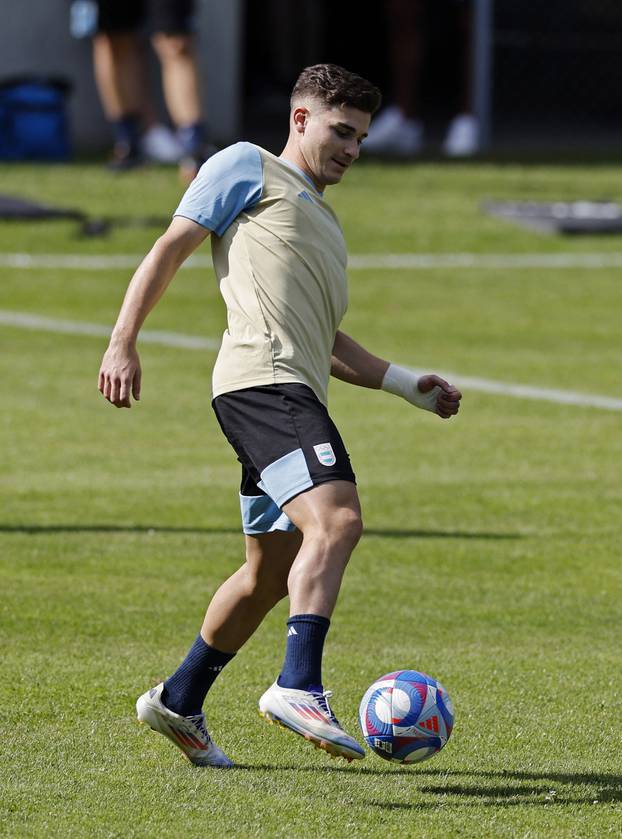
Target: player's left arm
[{"x": 354, "y": 364}]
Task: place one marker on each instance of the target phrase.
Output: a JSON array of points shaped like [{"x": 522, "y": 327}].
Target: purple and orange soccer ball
[{"x": 406, "y": 716}]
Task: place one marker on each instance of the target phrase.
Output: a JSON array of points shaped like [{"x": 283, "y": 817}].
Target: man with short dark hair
[{"x": 280, "y": 259}]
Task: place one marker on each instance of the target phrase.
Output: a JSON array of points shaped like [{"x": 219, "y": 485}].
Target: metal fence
[{"x": 557, "y": 71}]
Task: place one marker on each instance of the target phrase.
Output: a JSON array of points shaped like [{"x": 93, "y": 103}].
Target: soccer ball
[{"x": 406, "y": 716}]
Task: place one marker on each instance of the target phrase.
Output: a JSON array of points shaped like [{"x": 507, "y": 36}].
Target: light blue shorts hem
[
  {"x": 261, "y": 515},
  {"x": 286, "y": 477}
]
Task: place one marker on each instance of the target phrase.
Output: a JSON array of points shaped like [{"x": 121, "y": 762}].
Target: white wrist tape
[{"x": 403, "y": 382}]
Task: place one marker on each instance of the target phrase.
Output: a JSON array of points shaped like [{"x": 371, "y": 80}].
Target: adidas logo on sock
[{"x": 291, "y": 631}]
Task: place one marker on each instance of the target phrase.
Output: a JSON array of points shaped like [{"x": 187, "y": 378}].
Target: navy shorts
[
  {"x": 286, "y": 442},
  {"x": 173, "y": 17}
]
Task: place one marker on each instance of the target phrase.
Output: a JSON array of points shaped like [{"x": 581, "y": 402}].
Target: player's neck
[{"x": 292, "y": 154}]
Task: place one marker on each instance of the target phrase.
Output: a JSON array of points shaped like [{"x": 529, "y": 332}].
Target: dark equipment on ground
[{"x": 20, "y": 209}]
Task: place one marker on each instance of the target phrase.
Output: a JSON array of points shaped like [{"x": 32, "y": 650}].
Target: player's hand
[
  {"x": 429, "y": 392},
  {"x": 119, "y": 375},
  {"x": 443, "y": 398}
]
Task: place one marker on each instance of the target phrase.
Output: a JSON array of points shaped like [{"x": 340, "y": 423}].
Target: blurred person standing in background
[
  {"x": 119, "y": 59},
  {"x": 398, "y": 130}
]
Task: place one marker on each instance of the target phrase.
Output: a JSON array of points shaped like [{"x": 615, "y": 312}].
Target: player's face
[{"x": 331, "y": 141}]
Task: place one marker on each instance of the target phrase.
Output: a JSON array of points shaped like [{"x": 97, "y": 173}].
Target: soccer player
[{"x": 280, "y": 259}]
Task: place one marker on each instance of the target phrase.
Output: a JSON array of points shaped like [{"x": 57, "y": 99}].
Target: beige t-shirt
[{"x": 280, "y": 259}]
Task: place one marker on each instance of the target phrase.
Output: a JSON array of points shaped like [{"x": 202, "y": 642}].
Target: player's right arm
[
  {"x": 230, "y": 182},
  {"x": 119, "y": 375}
]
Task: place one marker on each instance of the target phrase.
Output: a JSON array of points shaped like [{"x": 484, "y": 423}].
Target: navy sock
[
  {"x": 302, "y": 668},
  {"x": 185, "y": 691},
  {"x": 127, "y": 131},
  {"x": 192, "y": 138}
]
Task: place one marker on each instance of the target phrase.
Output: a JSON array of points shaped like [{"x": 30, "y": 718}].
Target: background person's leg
[
  {"x": 463, "y": 134},
  {"x": 119, "y": 66},
  {"x": 398, "y": 129},
  {"x": 180, "y": 83},
  {"x": 118, "y": 60},
  {"x": 180, "y": 80}
]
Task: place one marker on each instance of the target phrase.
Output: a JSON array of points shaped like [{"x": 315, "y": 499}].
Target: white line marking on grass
[
  {"x": 70, "y": 261},
  {"x": 564, "y": 397},
  {"x": 397, "y": 261},
  {"x": 24, "y": 320},
  {"x": 421, "y": 261}
]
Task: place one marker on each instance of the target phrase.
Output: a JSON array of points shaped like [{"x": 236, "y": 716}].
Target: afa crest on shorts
[{"x": 325, "y": 454}]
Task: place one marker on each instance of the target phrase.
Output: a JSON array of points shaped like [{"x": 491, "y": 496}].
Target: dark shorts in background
[
  {"x": 174, "y": 17},
  {"x": 286, "y": 442}
]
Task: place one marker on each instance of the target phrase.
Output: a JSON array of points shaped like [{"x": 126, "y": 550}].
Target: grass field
[{"x": 491, "y": 558}]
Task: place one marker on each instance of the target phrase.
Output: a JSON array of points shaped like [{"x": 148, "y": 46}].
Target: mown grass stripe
[
  {"x": 24, "y": 320},
  {"x": 378, "y": 261}
]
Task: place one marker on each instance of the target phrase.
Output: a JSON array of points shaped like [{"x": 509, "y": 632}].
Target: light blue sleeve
[{"x": 228, "y": 183}]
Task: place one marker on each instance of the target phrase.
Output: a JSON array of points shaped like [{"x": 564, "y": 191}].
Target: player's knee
[
  {"x": 340, "y": 531},
  {"x": 351, "y": 526}
]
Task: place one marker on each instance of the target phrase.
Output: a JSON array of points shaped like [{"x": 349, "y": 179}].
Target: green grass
[{"x": 491, "y": 559}]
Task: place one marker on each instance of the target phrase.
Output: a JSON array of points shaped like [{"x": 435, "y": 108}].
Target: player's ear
[{"x": 299, "y": 118}]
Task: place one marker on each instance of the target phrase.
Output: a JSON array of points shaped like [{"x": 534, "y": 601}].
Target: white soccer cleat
[
  {"x": 462, "y": 138},
  {"x": 393, "y": 134},
  {"x": 188, "y": 733},
  {"x": 308, "y": 714}
]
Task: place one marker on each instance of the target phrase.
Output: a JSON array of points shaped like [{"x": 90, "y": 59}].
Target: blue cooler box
[{"x": 33, "y": 119}]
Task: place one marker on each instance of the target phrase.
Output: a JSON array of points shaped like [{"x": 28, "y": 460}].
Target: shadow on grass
[
  {"x": 151, "y": 529},
  {"x": 509, "y": 789},
  {"x": 342, "y": 768},
  {"x": 502, "y": 789},
  {"x": 437, "y": 534}
]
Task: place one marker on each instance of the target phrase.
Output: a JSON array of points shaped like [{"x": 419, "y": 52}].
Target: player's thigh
[{"x": 327, "y": 507}]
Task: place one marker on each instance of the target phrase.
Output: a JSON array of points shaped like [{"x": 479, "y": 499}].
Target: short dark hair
[{"x": 334, "y": 85}]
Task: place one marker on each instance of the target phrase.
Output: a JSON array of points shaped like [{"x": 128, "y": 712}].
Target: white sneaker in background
[
  {"x": 161, "y": 145},
  {"x": 393, "y": 134},
  {"x": 462, "y": 139}
]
